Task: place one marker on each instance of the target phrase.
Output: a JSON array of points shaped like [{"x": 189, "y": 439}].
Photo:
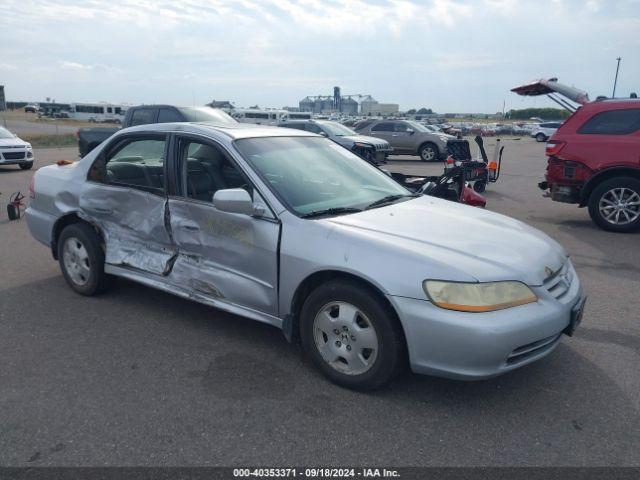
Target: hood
[
  {"x": 366, "y": 139},
  {"x": 12, "y": 142},
  {"x": 460, "y": 240}
]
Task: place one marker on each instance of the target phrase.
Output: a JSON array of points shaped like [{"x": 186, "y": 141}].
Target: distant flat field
[{"x": 21, "y": 123}]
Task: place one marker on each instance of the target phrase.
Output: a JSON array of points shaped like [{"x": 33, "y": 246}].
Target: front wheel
[
  {"x": 82, "y": 259},
  {"x": 614, "y": 205},
  {"x": 428, "y": 152},
  {"x": 351, "y": 335},
  {"x": 479, "y": 186},
  {"x": 541, "y": 137}
]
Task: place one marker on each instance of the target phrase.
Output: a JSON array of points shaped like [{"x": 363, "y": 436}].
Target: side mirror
[
  {"x": 234, "y": 200},
  {"x": 410, "y": 131},
  {"x": 324, "y": 134}
]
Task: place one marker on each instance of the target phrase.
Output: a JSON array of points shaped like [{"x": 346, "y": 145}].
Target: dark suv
[{"x": 594, "y": 161}]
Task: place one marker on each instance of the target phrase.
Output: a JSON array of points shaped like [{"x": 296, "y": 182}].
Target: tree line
[{"x": 543, "y": 113}]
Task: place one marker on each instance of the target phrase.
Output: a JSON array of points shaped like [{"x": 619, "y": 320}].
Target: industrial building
[{"x": 354, "y": 104}]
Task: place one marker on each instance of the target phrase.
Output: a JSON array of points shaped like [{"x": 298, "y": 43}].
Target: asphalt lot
[{"x": 139, "y": 377}]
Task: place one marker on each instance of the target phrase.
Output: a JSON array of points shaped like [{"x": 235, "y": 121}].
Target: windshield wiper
[
  {"x": 389, "y": 199},
  {"x": 331, "y": 211}
]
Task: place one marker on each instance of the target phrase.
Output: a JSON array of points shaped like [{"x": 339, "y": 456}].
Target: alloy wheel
[
  {"x": 620, "y": 206},
  {"x": 428, "y": 154}
]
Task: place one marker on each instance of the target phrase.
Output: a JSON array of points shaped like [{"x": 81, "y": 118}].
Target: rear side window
[
  {"x": 383, "y": 127},
  {"x": 613, "y": 122},
  {"x": 313, "y": 128},
  {"x": 136, "y": 162},
  {"x": 142, "y": 116},
  {"x": 168, "y": 115},
  {"x": 297, "y": 126}
]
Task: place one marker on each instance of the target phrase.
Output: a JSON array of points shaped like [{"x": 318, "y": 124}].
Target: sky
[{"x": 451, "y": 56}]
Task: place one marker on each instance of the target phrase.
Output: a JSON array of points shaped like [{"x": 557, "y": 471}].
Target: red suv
[{"x": 594, "y": 161}]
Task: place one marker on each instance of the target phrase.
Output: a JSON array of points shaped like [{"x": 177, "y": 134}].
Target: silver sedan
[{"x": 288, "y": 228}]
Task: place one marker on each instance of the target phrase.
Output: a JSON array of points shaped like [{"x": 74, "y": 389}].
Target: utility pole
[{"x": 613, "y": 95}]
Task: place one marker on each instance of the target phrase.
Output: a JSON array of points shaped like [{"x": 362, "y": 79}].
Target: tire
[
  {"x": 479, "y": 186},
  {"x": 428, "y": 152},
  {"x": 26, "y": 166},
  {"x": 541, "y": 137},
  {"x": 325, "y": 321},
  {"x": 82, "y": 264},
  {"x": 614, "y": 205}
]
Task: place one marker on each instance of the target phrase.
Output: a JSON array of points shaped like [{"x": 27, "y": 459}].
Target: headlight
[
  {"x": 478, "y": 297},
  {"x": 362, "y": 145},
  {"x": 28, "y": 145}
]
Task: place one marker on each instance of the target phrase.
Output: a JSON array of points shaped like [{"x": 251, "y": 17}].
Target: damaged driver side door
[
  {"x": 230, "y": 258},
  {"x": 126, "y": 198}
]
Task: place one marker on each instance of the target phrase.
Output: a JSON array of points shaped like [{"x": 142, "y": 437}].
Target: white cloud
[{"x": 7, "y": 67}]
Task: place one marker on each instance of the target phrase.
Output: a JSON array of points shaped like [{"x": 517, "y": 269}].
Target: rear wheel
[
  {"x": 541, "y": 137},
  {"x": 428, "y": 152},
  {"x": 351, "y": 335},
  {"x": 82, "y": 260},
  {"x": 614, "y": 205}
]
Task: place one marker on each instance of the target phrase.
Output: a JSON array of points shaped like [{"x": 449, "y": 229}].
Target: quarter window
[
  {"x": 613, "y": 122},
  {"x": 137, "y": 163}
]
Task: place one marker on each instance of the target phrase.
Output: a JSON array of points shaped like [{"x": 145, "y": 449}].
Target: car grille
[
  {"x": 529, "y": 350},
  {"x": 13, "y": 155},
  {"x": 559, "y": 283}
]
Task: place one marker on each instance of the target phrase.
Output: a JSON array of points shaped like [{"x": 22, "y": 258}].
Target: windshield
[
  {"x": 334, "y": 128},
  {"x": 311, "y": 174},
  {"x": 206, "y": 114},
  {"x": 418, "y": 127},
  {"x": 4, "y": 133}
]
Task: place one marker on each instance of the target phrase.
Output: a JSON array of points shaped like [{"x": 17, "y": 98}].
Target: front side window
[
  {"x": 312, "y": 174},
  {"x": 142, "y": 116},
  {"x": 205, "y": 169},
  {"x": 613, "y": 122},
  {"x": 136, "y": 162}
]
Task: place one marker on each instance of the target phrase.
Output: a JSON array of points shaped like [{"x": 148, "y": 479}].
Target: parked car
[
  {"x": 408, "y": 137},
  {"x": 32, "y": 108},
  {"x": 370, "y": 148},
  {"x": 594, "y": 161},
  {"x": 90, "y": 138},
  {"x": 545, "y": 130},
  {"x": 287, "y": 228},
  {"x": 14, "y": 150}
]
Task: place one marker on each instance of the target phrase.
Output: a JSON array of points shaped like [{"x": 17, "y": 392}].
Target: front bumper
[{"x": 475, "y": 346}]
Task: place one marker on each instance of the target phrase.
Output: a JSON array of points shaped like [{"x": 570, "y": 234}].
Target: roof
[{"x": 232, "y": 130}]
